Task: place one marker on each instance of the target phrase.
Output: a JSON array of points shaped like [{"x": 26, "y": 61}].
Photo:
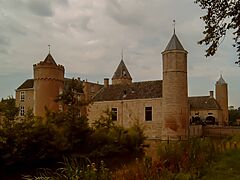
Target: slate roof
[
  {"x": 30, "y": 82},
  {"x": 136, "y": 90},
  {"x": 49, "y": 60},
  {"x": 122, "y": 72},
  {"x": 27, "y": 84},
  {"x": 174, "y": 44},
  {"x": 203, "y": 102},
  {"x": 139, "y": 90}
]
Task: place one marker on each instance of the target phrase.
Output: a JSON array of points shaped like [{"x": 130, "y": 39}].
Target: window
[
  {"x": 22, "y": 96},
  {"x": 92, "y": 89},
  {"x": 22, "y": 111},
  {"x": 124, "y": 73},
  {"x": 114, "y": 114},
  {"x": 148, "y": 113}
]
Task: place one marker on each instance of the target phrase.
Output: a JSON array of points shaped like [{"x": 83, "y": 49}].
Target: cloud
[
  {"x": 40, "y": 7},
  {"x": 87, "y": 36}
]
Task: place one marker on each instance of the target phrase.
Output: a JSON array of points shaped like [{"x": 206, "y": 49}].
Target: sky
[{"x": 87, "y": 37}]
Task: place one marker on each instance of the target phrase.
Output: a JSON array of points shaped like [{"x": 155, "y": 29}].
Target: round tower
[
  {"x": 222, "y": 99},
  {"x": 48, "y": 83},
  {"x": 175, "y": 106}
]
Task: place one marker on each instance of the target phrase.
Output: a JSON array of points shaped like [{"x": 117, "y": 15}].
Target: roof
[
  {"x": 122, "y": 72},
  {"x": 136, "y": 90},
  {"x": 221, "y": 81},
  {"x": 49, "y": 60},
  {"x": 27, "y": 84},
  {"x": 174, "y": 44},
  {"x": 203, "y": 102},
  {"x": 30, "y": 82}
]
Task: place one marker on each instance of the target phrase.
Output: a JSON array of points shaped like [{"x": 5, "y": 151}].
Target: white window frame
[
  {"x": 22, "y": 111},
  {"x": 22, "y": 96}
]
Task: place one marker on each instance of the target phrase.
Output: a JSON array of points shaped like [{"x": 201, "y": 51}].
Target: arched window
[
  {"x": 210, "y": 120},
  {"x": 196, "y": 120}
]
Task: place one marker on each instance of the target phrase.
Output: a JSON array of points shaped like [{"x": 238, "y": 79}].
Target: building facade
[{"x": 162, "y": 107}]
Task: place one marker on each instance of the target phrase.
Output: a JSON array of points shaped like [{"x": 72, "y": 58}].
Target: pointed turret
[
  {"x": 222, "y": 99},
  {"x": 48, "y": 83},
  {"x": 175, "y": 91},
  {"x": 49, "y": 60},
  {"x": 174, "y": 44},
  {"x": 221, "y": 80},
  {"x": 121, "y": 75}
]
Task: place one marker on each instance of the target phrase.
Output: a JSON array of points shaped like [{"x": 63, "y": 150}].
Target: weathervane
[
  {"x": 174, "y": 23},
  {"x": 49, "y": 46},
  {"x": 122, "y": 53}
]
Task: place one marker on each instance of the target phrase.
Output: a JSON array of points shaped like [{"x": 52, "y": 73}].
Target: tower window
[
  {"x": 22, "y": 111},
  {"x": 114, "y": 114},
  {"x": 124, "y": 73},
  {"x": 148, "y": 113},
  {"x": 22, "y": 96}
]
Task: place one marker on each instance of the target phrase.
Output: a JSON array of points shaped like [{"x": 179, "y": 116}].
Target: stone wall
[
  {"x": 130, "y": 112},
  {"x": 215, "y": 131},
  {"x": 28, "y": 101},
  {"x": 203, "y": 114}
]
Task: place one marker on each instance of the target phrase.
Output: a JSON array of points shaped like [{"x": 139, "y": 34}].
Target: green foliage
[
  {"x": 72, "y": 96},
  {"x": 8, "y": 108},
  {"x": 179, "y": 160},
  {"x": 226, "y": 166},
  {"x": 221, "y": 17},
  {"x": 74, "y": 169},
  {"x": 108, "y": 138},
  {"x": 187, "y": 156},
  {"x": 233, "y": 115}
]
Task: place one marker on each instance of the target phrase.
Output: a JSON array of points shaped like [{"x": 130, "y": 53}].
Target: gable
[{"x": 203, "y": 102}]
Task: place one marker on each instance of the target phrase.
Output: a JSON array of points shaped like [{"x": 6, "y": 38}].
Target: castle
[{"x": 162, "y": 107}]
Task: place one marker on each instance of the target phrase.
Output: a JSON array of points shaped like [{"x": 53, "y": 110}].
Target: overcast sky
[{"x": 87, "y": 37}]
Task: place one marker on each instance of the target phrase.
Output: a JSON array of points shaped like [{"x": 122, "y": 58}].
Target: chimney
[
  {"x": 106, "y": 82},
  {"x": 211, "y": 93}
]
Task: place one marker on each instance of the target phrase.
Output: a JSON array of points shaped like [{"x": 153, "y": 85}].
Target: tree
[
  {"x": 8, "y": 108},
  {"x": 234, "y": 114},
  {"x": 221, "y": 17}
]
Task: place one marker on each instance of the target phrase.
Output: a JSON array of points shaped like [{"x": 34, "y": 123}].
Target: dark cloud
[
  {"x": 124, "y": 14},
  {"x": 83, "y": 23},
  {"x": 41, "y": 8},
  {"x": 62, "y": 2}
]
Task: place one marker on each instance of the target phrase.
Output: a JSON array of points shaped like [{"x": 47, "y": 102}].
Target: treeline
[{"x": 31, "y": 139}]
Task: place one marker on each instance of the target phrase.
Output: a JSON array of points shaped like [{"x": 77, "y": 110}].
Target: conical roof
[
  {"x": 221, "y": 81},
  {"x": 122, "y": 72},
  {"x": 174, "y": 44},
  {"x": 49, "y": 60}
]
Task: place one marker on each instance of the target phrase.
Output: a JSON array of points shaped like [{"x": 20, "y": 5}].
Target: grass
[
  {"x": 198, "y": 158},
  {"x": 226, "y": 167}
]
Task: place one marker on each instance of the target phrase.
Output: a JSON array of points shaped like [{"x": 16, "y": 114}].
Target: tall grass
[{"x": 176, "y": 160}]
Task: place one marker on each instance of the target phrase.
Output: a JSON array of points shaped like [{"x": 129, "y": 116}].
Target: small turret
[
  {"x": 121, "y": 75},
  {"x": 222, "y": 99}
]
